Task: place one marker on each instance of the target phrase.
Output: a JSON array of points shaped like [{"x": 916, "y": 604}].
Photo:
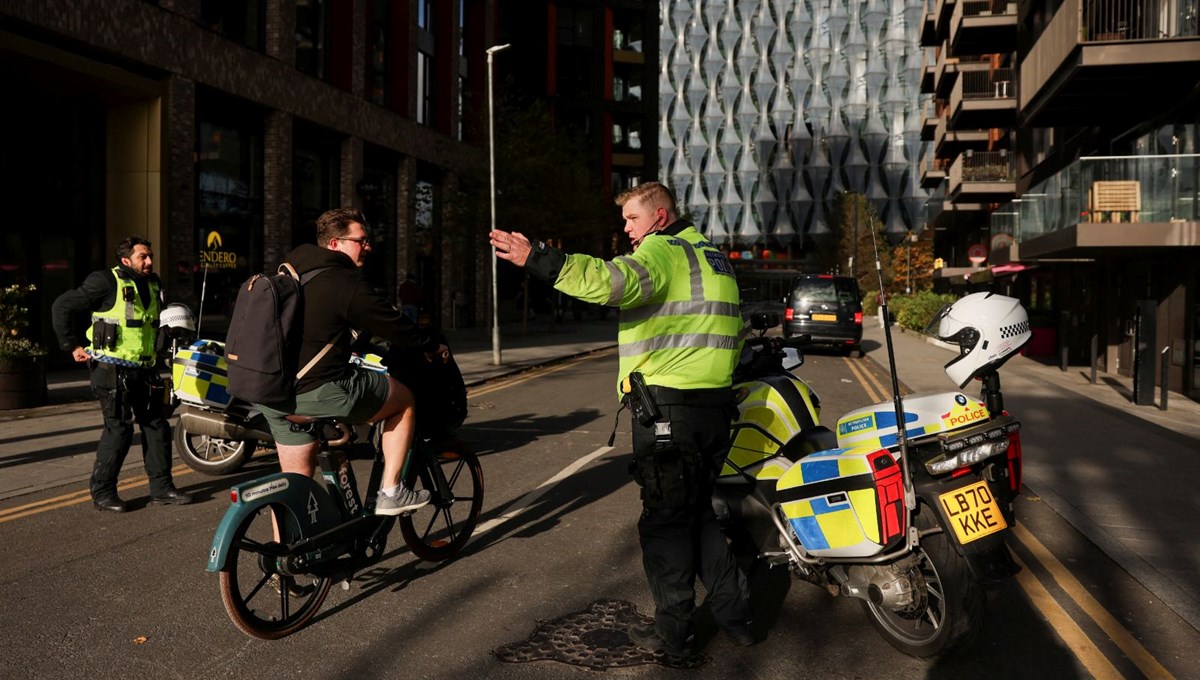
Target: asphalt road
[{"x": 106, "y": 596}]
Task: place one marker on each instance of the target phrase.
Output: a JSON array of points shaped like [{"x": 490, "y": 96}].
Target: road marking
[
  {"x": 534, "y": 373},
  {"x": 77, "y": 497},
  {"x": 536, "y": 493},
  {"x": 1076, "y": 591},
  {"x": 1062, "y": 623},
  {"x": 869, "y": 384}
]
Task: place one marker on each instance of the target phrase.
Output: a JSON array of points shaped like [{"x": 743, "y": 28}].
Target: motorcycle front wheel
[
  {"x": 951, "y": 615},
  {"x": 211, "y": 455}
]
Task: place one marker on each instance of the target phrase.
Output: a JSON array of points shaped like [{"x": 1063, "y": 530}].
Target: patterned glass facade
[{"x": 769, "y": 109}]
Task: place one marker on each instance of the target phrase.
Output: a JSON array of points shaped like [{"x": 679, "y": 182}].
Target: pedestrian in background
[
  {"x": 680, "y": 326},
  {"x": 410, "y": 296},
  {"x": 121, "y": 307}
]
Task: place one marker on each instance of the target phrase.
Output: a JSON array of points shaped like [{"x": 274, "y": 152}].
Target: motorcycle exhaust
[{"x": 218, "y": 425}]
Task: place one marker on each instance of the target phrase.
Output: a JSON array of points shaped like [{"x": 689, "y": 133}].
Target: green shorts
[{"x": 356, "y": 397}]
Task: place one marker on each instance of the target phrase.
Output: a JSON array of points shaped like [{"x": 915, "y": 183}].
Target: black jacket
[{"x": 338, "y": 300}]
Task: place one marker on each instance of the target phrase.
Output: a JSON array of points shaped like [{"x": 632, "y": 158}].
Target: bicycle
[{"x": 285, "y": 538}]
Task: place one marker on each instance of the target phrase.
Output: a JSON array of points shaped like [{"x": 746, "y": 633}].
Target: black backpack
[
  {"x": 439, "y": 388},
  {"x": 265, "y": 333}
]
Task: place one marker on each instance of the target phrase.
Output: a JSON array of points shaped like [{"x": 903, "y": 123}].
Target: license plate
[
  {"x": 973, "y": 512},
  {"x": 824, "y": 317}
]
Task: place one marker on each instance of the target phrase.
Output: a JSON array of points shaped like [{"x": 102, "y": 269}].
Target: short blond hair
[{"x": 650, "y": 194}]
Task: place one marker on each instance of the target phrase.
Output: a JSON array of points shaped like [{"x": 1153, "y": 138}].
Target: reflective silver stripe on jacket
[
  {"x": 645, "y": 286},
  {"x": 679, "y": 341},
  {"x": 680, "y": 309},
  {"x": 697, "y": 277},
  {"x": 616, "y": 283}
]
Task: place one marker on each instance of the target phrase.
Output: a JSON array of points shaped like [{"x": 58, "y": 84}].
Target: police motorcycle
[
  {"x": 910, "y": 524},
  {"x": 216, "y": 434}
]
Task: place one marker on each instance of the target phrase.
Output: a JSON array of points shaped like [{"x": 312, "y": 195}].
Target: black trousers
[
  {"x": 682, "y": 542},
  {"x": 126, "y": 396}
]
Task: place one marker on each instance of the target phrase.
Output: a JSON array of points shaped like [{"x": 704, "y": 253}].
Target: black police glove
[{"x": 544, "y": 262}]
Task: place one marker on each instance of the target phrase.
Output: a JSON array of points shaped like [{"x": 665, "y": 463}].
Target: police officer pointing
[
  {"x": 679, "y": 340},
  {"x": 121, "y": 307}
]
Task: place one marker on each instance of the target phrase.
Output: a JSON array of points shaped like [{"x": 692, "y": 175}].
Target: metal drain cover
[{"x": 595, "y": 638}]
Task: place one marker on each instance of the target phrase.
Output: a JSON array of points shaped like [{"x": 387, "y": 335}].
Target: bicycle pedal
[{"x": 345, "y": 584}]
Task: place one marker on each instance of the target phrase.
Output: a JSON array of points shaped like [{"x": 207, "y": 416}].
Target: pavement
[{"x": 1123, "y": 475}]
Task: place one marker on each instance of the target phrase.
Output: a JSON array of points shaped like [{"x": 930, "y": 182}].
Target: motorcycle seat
[{"x": 809, "y": 441}]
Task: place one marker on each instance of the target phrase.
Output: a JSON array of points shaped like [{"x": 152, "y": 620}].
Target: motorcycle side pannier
[
  {"x": 199, "y": 375},
  {"x": 844, "y": 502}
]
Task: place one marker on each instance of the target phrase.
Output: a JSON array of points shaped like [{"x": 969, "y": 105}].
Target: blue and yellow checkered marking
[
  {"x": 200, "y": 378},
  {"x": 849, "y": 519}
]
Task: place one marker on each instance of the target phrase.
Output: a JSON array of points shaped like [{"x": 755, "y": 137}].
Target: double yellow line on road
[
  {"x": 1072, "y": 635},
  {"x": 77, "y": 497}
]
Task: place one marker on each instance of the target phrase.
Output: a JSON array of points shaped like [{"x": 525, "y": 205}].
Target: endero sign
[{"x": 214, "y": 256}]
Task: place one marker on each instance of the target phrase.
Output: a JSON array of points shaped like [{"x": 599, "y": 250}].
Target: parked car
[{"x": 826, "y": 308}]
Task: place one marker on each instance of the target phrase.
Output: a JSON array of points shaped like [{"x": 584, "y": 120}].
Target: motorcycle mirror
[
  {"x": 792, "y": 358},
  {"x": 764, "y": 320}
]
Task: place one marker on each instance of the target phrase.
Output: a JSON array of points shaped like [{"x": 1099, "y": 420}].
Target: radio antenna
[
  {"x": 203, "y": 290},
  {"x": 910, "y": 498}
]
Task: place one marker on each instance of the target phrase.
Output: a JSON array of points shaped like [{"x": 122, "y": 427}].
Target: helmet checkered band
[{"x": 1014, "y": 330}]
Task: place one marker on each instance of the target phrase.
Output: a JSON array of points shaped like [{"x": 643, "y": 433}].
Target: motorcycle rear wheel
[
  {"x": 212, "y": 455},
  {"x": 953, "y": 613}
]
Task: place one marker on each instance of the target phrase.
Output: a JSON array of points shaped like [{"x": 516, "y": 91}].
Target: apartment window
[
  {"x": 575, "y": 26},
  {"x": 627, "y": 31},
  {"x": 462, "y": 88},
  {"x": 239, "y": 20},
  {"x": 377, "y": 52},
  {"x": 425, "y": 15},
  {"x": 462, "y": 27},
  {"x": 312, "y": 37},
  {"x": 316, "y": 179},
  {"x": 424, "y": 89}
]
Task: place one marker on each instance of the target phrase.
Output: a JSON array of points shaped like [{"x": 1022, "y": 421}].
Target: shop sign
[{"x": 214, "y": 255}]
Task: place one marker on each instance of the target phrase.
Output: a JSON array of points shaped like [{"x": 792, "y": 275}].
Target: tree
[
  {"x": 912, "y": 266},
  {"x": 851, "y": 209}
]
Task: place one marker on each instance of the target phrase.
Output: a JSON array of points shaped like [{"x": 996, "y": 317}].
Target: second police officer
[{"x": 679, "y": 339}]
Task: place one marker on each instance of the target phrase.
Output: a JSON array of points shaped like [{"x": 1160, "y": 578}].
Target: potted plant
[{"x": 22, "y": 361}]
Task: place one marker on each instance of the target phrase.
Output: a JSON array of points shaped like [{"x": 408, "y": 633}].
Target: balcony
[
  {"x": 981, "y": 177},
  {"x": 929, "y": 120},
  {"x": 942, "y": 11},
  {"x": 945, "y": 73},
  {"x": 984, "y": 99},
  {"x": 933, "y": 172},
  {"x": 984, "y": 27},
  {"x": 1106, "y": 202},
  {"x": 949, "y": 144},
  {"x": 1147, "y": 51}
]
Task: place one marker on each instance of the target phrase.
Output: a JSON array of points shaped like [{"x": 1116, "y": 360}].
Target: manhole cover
[{"x": 595, "y": 638}]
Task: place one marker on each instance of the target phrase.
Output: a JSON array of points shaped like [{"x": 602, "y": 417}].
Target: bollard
[
  {"x": 1095, "y": 357},
  {"x": 1166, "y": 366},
  {"x": 1063, "y": 358}
]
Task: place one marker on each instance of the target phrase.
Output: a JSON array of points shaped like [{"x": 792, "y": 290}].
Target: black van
[{"x": 828, "y": 309}]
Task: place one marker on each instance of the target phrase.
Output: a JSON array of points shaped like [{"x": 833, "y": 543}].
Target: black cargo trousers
[
  {"x": 129, "y": 395},
  {"x": 678, "y": 530}
]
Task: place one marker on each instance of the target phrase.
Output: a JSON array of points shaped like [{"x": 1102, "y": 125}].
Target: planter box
[{"x": 22, "y": 382}]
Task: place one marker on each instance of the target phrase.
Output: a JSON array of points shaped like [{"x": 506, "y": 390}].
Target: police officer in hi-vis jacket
[
  {"x": 121, "y": 308},
  {"x": 679, "y": 338}
]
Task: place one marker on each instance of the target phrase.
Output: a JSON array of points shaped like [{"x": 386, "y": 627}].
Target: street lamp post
[{"x": 492, "y": 175}]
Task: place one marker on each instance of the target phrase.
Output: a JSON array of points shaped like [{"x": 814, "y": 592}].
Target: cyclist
[{"x": 336, "y": 302}]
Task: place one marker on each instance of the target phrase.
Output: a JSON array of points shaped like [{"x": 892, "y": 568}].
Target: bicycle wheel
[
  {"x": 441, "y": 529},
  {"x": 262, "y": 602}
]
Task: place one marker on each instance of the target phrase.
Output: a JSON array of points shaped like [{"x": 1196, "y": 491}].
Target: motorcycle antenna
[
  {"x": 203, "y": 290},
  {"x": 910, "y": 498}
]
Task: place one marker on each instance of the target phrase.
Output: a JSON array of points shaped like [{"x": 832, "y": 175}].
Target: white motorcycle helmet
[
  {"x": 177, "y": 317},
  {"x": 987, "y": 328}
]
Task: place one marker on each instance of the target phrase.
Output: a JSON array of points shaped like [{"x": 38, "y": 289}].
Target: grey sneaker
[{"x": 403, "y": 502}]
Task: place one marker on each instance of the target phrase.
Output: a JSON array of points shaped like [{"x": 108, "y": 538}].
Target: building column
[
  {"x": 449, "y": 254},
  {"x": 351, "y": 173},
  {"x": 277, "y": 188},
  {"x": 180, "y": 248},
  {"x": 406, "y": 213},
  {"x": 281, "y": 30}
]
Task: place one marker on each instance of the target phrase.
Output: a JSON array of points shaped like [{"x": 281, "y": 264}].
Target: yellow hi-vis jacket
[
  {"x": 137, "y": 322},
  {"x": 680, "y": 319}
]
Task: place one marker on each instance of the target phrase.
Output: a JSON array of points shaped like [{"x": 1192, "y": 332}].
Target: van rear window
[{"x": 825, "y": 290}]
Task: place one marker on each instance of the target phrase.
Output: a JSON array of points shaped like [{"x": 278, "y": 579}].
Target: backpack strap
[{"x": 287, "y": 268}]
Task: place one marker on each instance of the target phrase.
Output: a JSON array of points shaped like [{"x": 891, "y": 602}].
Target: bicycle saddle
[{"x": 319, "y": 427}]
